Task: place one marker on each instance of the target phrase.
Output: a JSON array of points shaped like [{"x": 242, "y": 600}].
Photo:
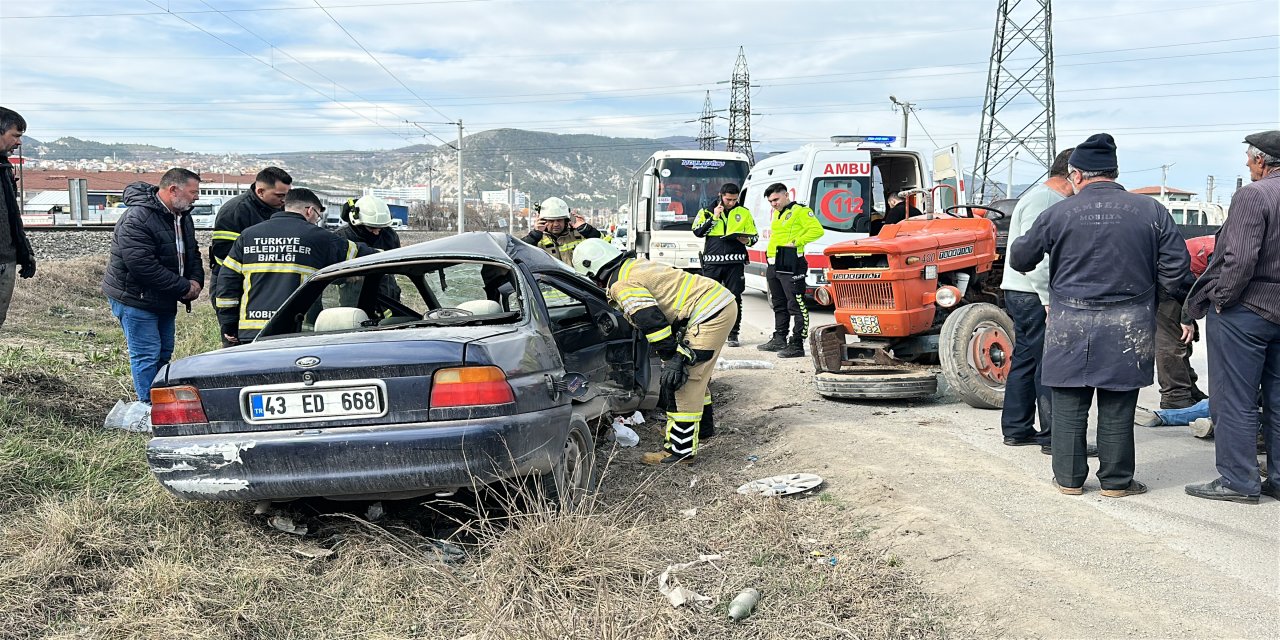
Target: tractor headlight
[
  {"x": 947, "y": 296},
  {"x": 931, "y": 272}
]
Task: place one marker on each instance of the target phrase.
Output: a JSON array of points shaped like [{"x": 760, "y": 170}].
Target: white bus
[
  {"x": 844, "y": 181},
  {"x": 665, "y": 196}
]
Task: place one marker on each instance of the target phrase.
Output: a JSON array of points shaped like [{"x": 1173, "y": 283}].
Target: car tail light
[
  {"x": 176, "y": 405},
  {"x": 469, "y": 387}
]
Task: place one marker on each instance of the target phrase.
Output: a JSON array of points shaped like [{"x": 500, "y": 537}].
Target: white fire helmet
[
  {"x": 593, "y": 254},
  {"x": 554, "y": 208},
  {"x": 371, "y": 211}
]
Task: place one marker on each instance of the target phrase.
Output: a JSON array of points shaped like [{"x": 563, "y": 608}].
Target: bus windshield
[{"x": 686, "y": 185}]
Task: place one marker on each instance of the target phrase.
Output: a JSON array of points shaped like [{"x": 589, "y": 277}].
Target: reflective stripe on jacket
[
  {"x": 267, "y": 263},
  {"x": 796, "y": 223},
  {"x": 643, "y": 288},
  {"x": 722, "y": 235}
]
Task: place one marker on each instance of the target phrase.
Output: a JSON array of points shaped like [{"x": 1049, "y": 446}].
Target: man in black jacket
[
  {"x": 245, "y": 210},
  {"x": 15, "y": 250},
  {"x": 155, "y": 263},
  {"x": 270, "y": 260}
]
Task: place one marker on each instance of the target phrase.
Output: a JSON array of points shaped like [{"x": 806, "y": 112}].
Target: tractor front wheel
[{"x": 976, "y": 349}]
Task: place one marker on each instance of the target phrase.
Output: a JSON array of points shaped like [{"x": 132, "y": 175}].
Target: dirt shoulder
[{"x": 980, "y": 523}]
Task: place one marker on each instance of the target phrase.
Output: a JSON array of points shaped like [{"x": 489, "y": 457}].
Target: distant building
[
  {"x": 1184, "y": 209},
  {"x": 501, "y": 197},
  {"x": 416, "y": 193}
]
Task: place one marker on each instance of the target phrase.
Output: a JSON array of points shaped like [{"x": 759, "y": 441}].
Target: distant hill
[{"x": 77, "y": 149}]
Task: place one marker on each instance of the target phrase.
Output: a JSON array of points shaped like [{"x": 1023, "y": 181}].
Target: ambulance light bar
[{"x": 871, "y": 139}]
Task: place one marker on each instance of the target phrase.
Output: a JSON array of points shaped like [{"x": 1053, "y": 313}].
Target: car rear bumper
[{"x": 356, "y": 462}]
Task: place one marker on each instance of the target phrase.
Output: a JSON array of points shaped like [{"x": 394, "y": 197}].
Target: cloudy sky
[{"x": 1176, "y": 81}]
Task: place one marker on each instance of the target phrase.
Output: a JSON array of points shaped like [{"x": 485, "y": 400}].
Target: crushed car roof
[{"x": 499, "y": 247}]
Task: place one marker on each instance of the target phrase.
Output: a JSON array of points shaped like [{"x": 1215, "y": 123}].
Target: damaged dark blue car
[{"x": 443, "y": 365}]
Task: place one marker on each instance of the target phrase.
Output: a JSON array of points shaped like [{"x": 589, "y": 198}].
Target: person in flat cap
[
  {"x": 1239, "y": 294},
  {"x": 1111, "y": 254}
]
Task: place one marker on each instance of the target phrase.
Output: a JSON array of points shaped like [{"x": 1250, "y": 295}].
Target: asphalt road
[{"x": 1001, "y": 540}]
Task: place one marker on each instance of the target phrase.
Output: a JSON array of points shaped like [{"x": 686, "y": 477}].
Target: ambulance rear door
[{"x": 948, "y": 170}]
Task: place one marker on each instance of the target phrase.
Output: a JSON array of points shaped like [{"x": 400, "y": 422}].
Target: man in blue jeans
[
  {"x": 1239, "y": 295},
  {"x": 1025, "y": 297},
  {"x": 154, "y": 264}
]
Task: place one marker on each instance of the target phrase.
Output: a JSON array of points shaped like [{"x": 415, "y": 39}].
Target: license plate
[
  {"x": 296, "y": 403},
  {"x": 869, "y": 325}
]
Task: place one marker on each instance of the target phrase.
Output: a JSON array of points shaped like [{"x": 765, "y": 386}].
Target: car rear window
[{"x": 403, "y": 294}]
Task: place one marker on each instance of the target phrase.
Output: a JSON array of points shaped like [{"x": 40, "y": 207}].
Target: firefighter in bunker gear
[
  {"x": 554, "y": 233},
  {"x": 729, "y": 229},
  {"x": 269, "y": 260},
  {"x": 686, "y": 319},
  {"x": 794, "y": 226}
]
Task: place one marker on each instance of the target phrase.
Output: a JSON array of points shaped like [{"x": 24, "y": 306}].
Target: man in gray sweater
[{"x": 1026, "y": 296}]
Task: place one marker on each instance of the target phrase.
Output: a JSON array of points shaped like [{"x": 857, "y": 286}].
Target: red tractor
[{"x": 925, "y": 292}]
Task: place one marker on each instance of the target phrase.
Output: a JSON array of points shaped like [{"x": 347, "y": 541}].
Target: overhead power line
[
  {"x": 278, "y": 70},
  {"x": 379, "y": 63}
]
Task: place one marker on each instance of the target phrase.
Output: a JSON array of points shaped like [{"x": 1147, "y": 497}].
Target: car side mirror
[{"x": 607, "y": 323}]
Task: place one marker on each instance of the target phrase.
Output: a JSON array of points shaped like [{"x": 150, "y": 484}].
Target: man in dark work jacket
[{"x": 1110, "y": 253}]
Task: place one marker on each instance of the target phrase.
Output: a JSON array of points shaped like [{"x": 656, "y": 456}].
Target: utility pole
[
  {"x": 1008, "y": 186},
  {"x": 1164, "y": 176},
  {"x": 461, "y": 206},
  {"x": 906, "y": 108},
  {"x": 511, "y": 204},
  {"x": 740, "y": 109},
  {"x": 1208, "y": 191},
  {"x": 1018, "y": 107}
]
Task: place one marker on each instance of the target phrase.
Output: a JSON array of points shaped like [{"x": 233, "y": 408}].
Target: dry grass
[{"x": 91, "y": 547}]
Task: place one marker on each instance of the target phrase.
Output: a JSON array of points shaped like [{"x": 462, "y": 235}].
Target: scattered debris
[
  {"x": 312, "y": 552},
  {"x": 689, "y": 513},
  {"x": 129, "y": 416},
  {"x": 693, "y": 481},
  {"x": 783, "y": 406},
  {"x": 263, "y": 507},
  {"x": 724, "y": 365},
  {"x": 448, "y": 552},
  {"x": 782, "y": 485},
  {"x": 677, "y": 594},
  {"x": 374, "y": 512},
  {"x": 753, "y": 458},
  {"x": 743, "y": 604},
  {"x": 622, "y": 434},
  {"x": 286, "y": 525},
  {"x": 86, "y": 334}
]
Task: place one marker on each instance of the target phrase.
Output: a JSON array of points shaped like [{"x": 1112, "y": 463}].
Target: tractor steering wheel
[{"x": 970, "y": 210}]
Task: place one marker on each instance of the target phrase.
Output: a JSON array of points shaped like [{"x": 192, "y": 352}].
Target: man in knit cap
[{"x": 1110, "y": 254}]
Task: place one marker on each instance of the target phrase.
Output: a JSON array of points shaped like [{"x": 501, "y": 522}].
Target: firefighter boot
[
  {"x": 732, "y": 341},
  {"x": 776, "y": 343},
  {"x": 794, "y": 349}
]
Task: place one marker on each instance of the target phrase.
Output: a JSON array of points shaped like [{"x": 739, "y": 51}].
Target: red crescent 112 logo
[{"x": 840, "y": 206}]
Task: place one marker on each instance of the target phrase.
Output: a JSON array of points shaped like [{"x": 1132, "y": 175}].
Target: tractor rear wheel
[
  {"x": 876, "y": 383},
  {"x": 976, "y": 348}
]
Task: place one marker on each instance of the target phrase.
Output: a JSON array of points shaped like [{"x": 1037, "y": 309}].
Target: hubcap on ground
[{"x": 990, "y": 353}]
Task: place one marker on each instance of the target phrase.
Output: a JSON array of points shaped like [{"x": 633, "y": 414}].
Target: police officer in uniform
[
  {"x": 729, "y": 230},
  {"x": 553, "y": 234},
  {"x": 793, "y": 226},
  {"x": 686, "y": 319},
  {"x": 268, "y": 261}
]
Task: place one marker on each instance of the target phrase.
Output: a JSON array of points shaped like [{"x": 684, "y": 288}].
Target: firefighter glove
[{"x": 675, "y": 369}]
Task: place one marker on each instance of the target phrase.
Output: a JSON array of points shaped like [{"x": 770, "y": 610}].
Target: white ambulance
[{"x": 845, "y": 181}]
